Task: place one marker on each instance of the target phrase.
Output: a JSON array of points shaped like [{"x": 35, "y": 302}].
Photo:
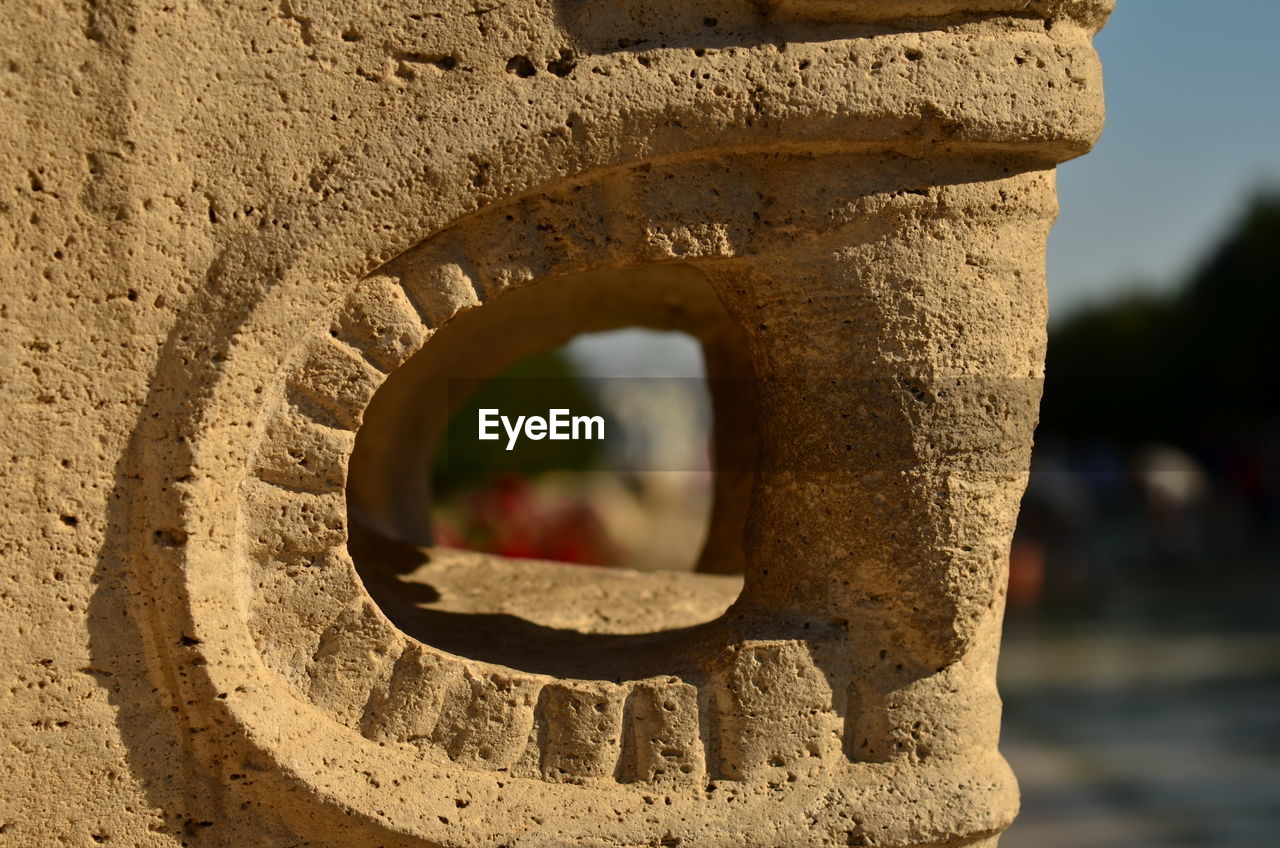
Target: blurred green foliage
[
  {"x": 1201, "y": 363},
  {"x": 530, "y": 387}
]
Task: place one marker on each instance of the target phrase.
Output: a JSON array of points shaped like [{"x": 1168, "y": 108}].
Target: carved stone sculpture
[{"x": 231, "y": 224}]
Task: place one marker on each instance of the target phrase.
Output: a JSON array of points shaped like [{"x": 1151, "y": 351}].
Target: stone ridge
[{"x": 1089, "y": 13}]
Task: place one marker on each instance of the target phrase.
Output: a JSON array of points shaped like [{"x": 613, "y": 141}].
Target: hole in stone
[
  {"x": 626, "y": 483},
  {"x": 641, "y": 500},
  {"x": 564, "y": 65},
  {"x": 521, "y": 66}
]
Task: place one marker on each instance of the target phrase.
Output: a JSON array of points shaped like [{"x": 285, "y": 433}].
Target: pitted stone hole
[
  {"x": 418, "y": 496},
  {"x": 521, "y": 66}
]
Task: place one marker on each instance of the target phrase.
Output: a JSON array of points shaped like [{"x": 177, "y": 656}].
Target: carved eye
[
  {"x": 482, "y": 687},
  {"x": 870, "y": 499},
  {"x": 400, "y": 440},
  {"x": 767, "y": 691}
]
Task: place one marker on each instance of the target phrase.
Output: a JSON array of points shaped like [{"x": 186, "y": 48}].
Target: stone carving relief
[{"x": 869, "y": 216}]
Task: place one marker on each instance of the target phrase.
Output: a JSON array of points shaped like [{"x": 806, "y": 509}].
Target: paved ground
[{"x": 1143, "y": 741}]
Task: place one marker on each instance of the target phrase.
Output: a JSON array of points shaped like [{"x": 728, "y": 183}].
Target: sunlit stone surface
[{"x": 247, "y": 235}]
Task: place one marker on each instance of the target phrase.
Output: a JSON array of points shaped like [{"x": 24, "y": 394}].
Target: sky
[{"x": 1193, "y": 128}]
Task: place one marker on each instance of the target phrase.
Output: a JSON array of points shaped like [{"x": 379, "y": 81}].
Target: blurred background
[{"x": 1141, "y": 668}]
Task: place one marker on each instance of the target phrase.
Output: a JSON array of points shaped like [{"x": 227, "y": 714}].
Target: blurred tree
[
  {"x": 1194, "y": 366},
  {"x": 530, "y": 387}
]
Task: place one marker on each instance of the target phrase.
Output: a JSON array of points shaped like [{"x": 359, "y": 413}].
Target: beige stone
[{"x": 226, "y": 225}]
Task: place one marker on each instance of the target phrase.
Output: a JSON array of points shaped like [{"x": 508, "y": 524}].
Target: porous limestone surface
[{"x": 226, "y": 225}]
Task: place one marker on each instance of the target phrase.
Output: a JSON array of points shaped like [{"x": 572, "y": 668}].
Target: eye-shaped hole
[
  {"x": 419, "y": 487},
  {"x": 595, "y": 453}
]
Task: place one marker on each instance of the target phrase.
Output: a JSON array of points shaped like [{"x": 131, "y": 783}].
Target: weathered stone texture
[{"x": 229, "y": 228}]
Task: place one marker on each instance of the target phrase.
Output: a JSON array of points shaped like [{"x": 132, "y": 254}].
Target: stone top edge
[{"x": 1091, "y": 14}]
